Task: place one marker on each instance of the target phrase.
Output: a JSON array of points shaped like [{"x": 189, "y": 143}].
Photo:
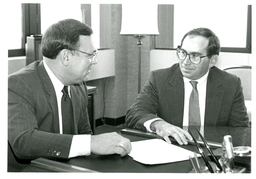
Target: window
[
  {"x": 53, "y": 12},
  {"x": 27, "y": 19},
  {"x": 26, "y": 22},
  {"x": 230, "y": 22},
  {"x": 14, "y": 40}
]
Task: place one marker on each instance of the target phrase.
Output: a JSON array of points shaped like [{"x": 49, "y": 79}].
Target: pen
[
  {"x": 210, "y": 150},
  {"x": 195, "y": 167},
  {"x": 202, "y": 153},
  {"x": 197, "y": 162},
  {"x": 210, "y": 143},
  {"x": 153, "y": 136}
]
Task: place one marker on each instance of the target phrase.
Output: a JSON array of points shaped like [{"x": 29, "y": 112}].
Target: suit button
[
  {"x": 49, "y": 152},
  {"x": 58, "y": 153}
]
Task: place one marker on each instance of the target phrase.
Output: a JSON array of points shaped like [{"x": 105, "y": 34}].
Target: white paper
[{"x": 157, "y": 151}]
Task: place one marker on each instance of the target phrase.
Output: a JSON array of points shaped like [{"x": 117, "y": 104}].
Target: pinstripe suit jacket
[
  {"x": 33, "y": 122},
  {"x": 163, "y": 96}
]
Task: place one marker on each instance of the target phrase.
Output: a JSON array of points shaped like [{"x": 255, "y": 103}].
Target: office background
[{"x": 117, "y": 88}]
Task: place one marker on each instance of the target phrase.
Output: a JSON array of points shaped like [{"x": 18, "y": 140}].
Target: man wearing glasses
[
  {"x": 192, "y": 92},
  {"x": 47, "y": 100}
]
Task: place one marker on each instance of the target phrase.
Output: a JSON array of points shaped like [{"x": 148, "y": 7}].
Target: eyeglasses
[
  {"x": 92, "y": 56},
  {"x": 194, "y": 58}
]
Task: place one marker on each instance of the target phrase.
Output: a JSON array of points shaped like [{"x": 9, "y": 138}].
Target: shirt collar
[
  {"x": 58, "y": 86},
  {"x": 200, "y": 80}
]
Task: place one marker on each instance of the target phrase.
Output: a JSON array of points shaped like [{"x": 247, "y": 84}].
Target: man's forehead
[
  {"x": 195, "y": 42},
  {"x": 84, "y": 38},
  {"x": 85, "y": 41}
]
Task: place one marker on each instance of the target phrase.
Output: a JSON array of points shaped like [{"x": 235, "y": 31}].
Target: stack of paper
[{"x": 157, "y": 151}]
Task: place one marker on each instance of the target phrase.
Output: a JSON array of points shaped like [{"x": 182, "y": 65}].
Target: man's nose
[
  {"x": 94, "y": 61},
  {"x": 187, "y": 60}
]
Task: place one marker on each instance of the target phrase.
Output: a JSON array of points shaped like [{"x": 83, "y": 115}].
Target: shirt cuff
[
  {"x": 81, "y": 145},
  {"x": 148, "y": 123}
]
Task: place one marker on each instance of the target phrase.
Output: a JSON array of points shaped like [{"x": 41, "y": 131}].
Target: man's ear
[
  {"x": 213, "y": 60},
  {"x": 65, "y": 57}
]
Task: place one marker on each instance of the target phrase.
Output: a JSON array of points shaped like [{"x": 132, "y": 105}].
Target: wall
[
  {"x": 233, "y": 59},
  {"x": 104, "y": 58},
  {"x": 105, "y": 66},
  {"x": 126, "y": 78},
  {"x": 15, "y": 64},
  {"x": 118, "y": 93}
]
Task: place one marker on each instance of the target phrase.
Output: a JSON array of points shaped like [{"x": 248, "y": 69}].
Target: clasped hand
[
  {"x": 110, "y": 143},
  {"x": 165, "y": 129}
]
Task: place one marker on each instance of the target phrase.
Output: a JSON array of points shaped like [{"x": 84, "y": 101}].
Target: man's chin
[
  {"x": 86, "y": 77},
  {"x": 186, "y": 74}
]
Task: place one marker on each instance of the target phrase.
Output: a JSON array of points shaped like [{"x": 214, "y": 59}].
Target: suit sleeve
[
  {"x": 25, "y": 105},
  {"x": 145, "y": 106}
]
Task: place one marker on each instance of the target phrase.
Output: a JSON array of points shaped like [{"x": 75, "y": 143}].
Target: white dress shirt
[
  {"x": 201, "y": 87},
  {"x": 76, "y": 148}
]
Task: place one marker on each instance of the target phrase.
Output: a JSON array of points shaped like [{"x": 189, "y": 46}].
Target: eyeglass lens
[
  {"x": 93, "y": 57},
  {"x": 182, "y": 55}
]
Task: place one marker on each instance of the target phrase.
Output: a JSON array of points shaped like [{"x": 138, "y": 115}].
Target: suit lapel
[
  {"x": 214, "y": 96},
  {"x": 78, "y": 93},
  {"x": 50, "y": 94},
  {"x": 76, "y": 106},
  {"x": 175, "y": 99}
]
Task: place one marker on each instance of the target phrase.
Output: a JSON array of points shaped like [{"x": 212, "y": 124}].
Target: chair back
[{"x": 244, "y": 73}]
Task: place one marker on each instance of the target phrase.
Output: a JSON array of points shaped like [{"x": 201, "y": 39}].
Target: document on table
[{"x": 157, "y": 151}]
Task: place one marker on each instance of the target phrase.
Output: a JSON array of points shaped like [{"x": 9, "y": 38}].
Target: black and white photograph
[{"x": 128, "y": 88}]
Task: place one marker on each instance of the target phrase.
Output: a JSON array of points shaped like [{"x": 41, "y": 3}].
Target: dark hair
[
  {"x": 63, "y": 35},
  {"x": 214, "y": 43}
]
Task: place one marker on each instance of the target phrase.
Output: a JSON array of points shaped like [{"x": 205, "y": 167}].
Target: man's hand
[
  {"x": 165, "y": 129},
  {"x": 110, "y": 143}
]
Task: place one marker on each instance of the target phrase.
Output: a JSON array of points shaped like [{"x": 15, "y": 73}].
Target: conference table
[{"x": 241, "y": 136}]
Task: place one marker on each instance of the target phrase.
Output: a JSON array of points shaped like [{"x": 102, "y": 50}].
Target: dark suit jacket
[
  {"x": 163, "y": 96},
  {"x": 33, "y": 122}
]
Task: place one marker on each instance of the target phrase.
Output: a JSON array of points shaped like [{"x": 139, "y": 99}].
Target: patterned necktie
[
  {"x": 67, "y": 112},
  {"x": 194, "y": 111}
]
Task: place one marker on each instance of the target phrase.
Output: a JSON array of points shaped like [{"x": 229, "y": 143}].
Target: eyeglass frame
[
  {"x": 188, "y": 54},
  {"x": 92, "y": 55}
]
